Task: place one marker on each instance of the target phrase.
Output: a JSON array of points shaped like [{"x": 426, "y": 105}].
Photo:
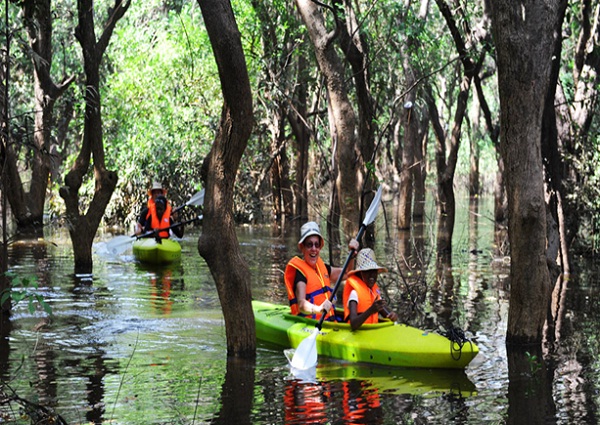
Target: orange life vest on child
[
  {"x": 318, "y": 285},
  {"x": 366, "y": 297},
  {"x": 163, "y": 223}
]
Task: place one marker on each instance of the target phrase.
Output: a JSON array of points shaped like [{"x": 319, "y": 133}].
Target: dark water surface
[{"x": 137, "y": 345}]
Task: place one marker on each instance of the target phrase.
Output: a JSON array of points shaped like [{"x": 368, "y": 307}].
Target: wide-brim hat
[
  {"x": 156, "y": 185},
  {"x": 310, "y": 229},
  {"x": 365, "y": 260}
]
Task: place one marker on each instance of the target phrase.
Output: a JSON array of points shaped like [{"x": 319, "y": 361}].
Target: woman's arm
[{"x": 306, "y": 306}]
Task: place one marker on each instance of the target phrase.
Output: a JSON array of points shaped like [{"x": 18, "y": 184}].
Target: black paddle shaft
[
  {"x": 363, "y": 226},
  {"x": 172, "y": 226}
]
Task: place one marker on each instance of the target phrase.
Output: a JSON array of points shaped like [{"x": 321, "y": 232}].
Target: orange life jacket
[
  {"x": 318, "y": 285},
  {"x": 361, "y": 402},
  {"x": 305, "y": 403},
  {"x": 163, "y": 223},
  {"x": 366, "y": 297}
]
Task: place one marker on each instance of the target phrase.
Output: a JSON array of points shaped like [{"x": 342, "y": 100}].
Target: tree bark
[
  {"x": 83, "y": 227},
  {"x": 218, "y": 244},
  {"x": 524, "y": 39},
  {"x": 341, "y": 112}
]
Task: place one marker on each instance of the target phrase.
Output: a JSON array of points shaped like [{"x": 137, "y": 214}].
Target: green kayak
[
  {"x": 386, "y": 343},
  {"x": 147, "y": 250}
]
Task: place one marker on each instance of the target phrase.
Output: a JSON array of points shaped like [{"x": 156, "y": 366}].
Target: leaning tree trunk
[
  {"x": 524, "y": 39},
  {"x": 83, "y": 227},
  {"x": 341, "y": 112},
  {"x": 218, "y": 244}
]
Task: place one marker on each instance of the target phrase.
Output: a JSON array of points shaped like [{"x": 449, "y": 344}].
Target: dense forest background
[{"x": 161, "y": 101}]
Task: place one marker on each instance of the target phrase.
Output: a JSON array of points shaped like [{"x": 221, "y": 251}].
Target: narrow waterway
[{"x": 137, "y": 345}]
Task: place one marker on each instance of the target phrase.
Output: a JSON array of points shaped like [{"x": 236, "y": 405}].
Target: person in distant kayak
[
  {"x": 157, "y": 214},
  {"x": 308, "y": 279},
  {"x": 362, "y": 298}
]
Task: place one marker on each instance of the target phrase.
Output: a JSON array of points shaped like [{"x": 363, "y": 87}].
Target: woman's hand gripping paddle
[{"x": 305, "y": 356}]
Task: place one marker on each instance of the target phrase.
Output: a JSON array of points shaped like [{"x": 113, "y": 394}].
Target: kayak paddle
[
  {"x": 119, "y": 244},
  {"x": 196, "y": 199},
  {"x": 305, "y": 356}
]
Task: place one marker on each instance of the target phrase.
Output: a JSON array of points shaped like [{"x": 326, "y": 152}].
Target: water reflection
[
  {"x": 236, "y": 394},
  {"x": 351, "y": 393},
  {"x": 306, "y": 402},
  {"x": 530, "y": 388}
]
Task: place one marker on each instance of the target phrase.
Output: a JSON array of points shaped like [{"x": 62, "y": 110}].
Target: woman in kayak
[
  {"x": 308, "y": 279},
  {"x": 362, "y": 299}
]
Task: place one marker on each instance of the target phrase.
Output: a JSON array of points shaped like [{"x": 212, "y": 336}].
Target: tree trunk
[
  {"x": 276, "y": 69},
  {"x": 411, "y": 142},
  {"x": 301, "y": 132},
  {"x": 5, "y": 307},
  {"x": 524, "y": 39},
  {"x": 343, "y": 118},
  {"x": 218, "y": 244},
  {"x": 27, "y": 205},
  {"x": 446, "y": 167},
  {"x": 356, "y": 50},
  {"x": 474, "y": 183},
  {"x": 83, "y": 227}
]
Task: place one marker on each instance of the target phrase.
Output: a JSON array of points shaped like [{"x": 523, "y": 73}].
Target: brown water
[{"x": 136, "y": 345}]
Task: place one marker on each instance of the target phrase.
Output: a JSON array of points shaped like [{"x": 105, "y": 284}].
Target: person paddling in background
[
  {"x": 157, "y": 214},
  {"x": 362, "y": 299},
  {"x": 308, "y": 279}
]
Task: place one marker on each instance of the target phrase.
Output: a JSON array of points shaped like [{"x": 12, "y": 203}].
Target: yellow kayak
[
  {"x": 386, "y": 343},
  {"x": 147, "y": 250}
]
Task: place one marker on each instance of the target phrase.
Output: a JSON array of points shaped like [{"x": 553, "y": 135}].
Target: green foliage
[
  {"x": 161, "y": 104},
  {"x": 534, "y": 362},
  {"x": 24, "y": 289}
]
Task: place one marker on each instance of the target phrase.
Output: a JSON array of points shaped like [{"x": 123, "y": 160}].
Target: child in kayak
[{"x": 362, "y": 299}]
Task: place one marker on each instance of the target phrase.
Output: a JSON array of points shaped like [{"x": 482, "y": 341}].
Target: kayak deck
[
  {"x": 384, "y": 343},
  {"x": 147, "y": 250}
]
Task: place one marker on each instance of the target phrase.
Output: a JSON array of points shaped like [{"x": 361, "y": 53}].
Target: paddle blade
[
  {"x": 305, "y": 356},
  {"x": 119, "y": 244},
  {"x": 197, "y": 199},
  {"x": 373, "y": 208}
]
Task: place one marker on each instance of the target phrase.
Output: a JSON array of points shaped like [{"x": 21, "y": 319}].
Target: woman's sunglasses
[{"x": 309, "y": 245}]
